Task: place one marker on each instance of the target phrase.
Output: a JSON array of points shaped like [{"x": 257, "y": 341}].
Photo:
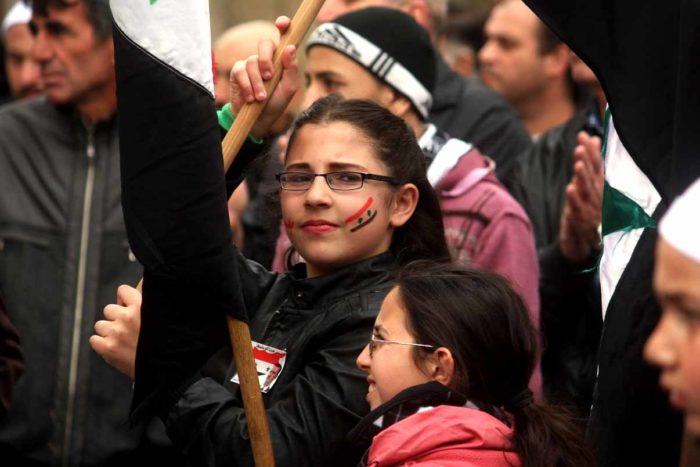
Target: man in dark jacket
[
  {"x": 64, "y": 247},
  {"x": 464, "y": 108}
]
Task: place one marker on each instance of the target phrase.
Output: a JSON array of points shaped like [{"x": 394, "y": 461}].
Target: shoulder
[
  {"x": 448, "y": 434},
  {"x": 486, "y": 196}
]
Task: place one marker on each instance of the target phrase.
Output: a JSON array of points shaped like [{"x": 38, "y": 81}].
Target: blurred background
[{"x": 226, "y": 13}]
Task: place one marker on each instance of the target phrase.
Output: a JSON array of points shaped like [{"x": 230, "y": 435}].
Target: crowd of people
[{"x": 500, "y": 269}]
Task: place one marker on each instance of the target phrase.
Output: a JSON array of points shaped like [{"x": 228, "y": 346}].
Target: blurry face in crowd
[
  {"x": 331, "y": 229},
  {"x": 76, "y": 66},
  {"x": 331, "y": 9},
  {"x": 330, "y": 72},
  {"x": 510, "y": 59},
  {"x": 390, "y": 368},
  {"x": 674, "y": 346},
  {"x": 22, "y": 71}
]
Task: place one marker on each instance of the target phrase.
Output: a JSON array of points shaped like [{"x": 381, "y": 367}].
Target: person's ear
[
  {"x": 443, "y": 366},
  {"x": 558, "y": 61},
  {"x": 403, "y": 205},
  {"x": 399, "y": 106},
  {"x": 394, "y": 102}
]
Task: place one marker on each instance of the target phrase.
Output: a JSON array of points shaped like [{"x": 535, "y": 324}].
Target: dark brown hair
[
  {"x": 486, "y": 326},
  {"x": 423, "y": 236},
  {"x": 98, "y": 13}
]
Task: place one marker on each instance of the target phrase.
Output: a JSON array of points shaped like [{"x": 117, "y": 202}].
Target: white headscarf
[
  {"x": 20, "y": 13},
  {"x": 680, "y": 227}
]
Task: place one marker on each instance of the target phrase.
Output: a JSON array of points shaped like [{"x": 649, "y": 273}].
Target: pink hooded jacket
[{"x": 445, "y": 436}]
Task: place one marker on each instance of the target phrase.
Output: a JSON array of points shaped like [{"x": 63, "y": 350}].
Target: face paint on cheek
[
  {"x": 289, "y": 224},
  {"x": 362, "y": 217}
]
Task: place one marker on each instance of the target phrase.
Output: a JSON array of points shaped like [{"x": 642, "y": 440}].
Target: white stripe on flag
[
  {"x": 176, "y": 32},
  {"x": 622, "y": 173}
]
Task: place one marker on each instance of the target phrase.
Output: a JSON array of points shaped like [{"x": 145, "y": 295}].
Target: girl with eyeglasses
[
  {"x": 357, "y": 205},
  {"x": 448, "y": 364}
]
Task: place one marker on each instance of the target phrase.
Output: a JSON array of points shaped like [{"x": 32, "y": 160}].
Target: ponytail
[{"x": 547, "y": 435}]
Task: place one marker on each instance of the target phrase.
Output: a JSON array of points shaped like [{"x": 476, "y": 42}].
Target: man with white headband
[
  {"x": 383, "y": 55},
  {"x": 22, "y": 70},
  {"x": 674, "y": 346}
]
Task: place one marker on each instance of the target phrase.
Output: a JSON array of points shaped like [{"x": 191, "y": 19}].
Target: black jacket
[
  {"x": 323, "y": 324},
  {"x": 63, "y": 252},
  {"x": 570, "y": 316},
  {"x": 468, "y": 110}
]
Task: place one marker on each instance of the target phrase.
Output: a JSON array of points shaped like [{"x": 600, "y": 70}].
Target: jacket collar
[
  {"x": 413, "y": 400},
  {"x": 370, "y": 273}
]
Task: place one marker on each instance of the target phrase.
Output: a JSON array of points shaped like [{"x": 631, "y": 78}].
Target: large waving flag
[
  {"x": 174, "y": 194},
  {"x": 646, "y": 55}
]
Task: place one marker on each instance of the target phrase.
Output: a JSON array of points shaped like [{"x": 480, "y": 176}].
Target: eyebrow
[
  {"x": 326, "y": 74},
  {"x": 333, "y": 167},
  {"x": 379, "y": 329}
]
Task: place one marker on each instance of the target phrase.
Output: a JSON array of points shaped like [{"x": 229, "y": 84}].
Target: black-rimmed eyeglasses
[{"x": 338, "y": 181}]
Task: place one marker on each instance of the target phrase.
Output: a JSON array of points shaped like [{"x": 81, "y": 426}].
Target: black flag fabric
[
  {"x": 173, "y": 189},
  {"x": 646, "y": 55}
]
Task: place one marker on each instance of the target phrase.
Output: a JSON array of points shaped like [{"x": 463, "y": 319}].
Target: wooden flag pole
[
  {"x": 249, "y": 113},
  {"x": 238, "y": 330}
]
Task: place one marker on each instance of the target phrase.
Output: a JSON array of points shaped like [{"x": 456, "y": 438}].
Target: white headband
[
  {"x": 378, "y": 62},
  {"x": 680, "y": 227},
  {"x": 18, "y": 14}
]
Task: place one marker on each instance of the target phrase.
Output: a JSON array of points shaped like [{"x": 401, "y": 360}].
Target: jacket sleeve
[
  {"x": 11, "y": 360},
  {"x": 571, "y": 325},
  {"x": 507, "y": 247},
  {"x": 309, "y": 418}
]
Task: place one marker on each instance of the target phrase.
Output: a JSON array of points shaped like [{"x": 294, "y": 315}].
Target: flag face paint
[{"x": 362, "y": 217}]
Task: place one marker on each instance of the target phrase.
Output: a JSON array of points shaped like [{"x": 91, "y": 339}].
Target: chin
[{"x": 692, "y": 423}]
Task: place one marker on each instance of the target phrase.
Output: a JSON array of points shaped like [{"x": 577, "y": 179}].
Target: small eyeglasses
[
  {"x": 337, "y": 181},
  {"x": 375, "y": 341}
]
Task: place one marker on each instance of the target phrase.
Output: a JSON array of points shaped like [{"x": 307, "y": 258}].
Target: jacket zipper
[{"x": 79, "y": 295}]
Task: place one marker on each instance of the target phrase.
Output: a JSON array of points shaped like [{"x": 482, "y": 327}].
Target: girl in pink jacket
[{"x": 448, "y": 365}]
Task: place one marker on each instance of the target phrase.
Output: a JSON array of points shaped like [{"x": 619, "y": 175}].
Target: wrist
[{"x": 226, "y": 119}]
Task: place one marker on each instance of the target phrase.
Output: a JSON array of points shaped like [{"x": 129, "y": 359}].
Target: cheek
[
  {"x": 362, "y": 217},
  {"x": 691, "y": 367}
]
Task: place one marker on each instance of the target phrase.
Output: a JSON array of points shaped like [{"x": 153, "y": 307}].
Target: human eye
[
  {"x": 332, "y": 85},
  {"x": 55, "y": 28},
  {"x": 296, "y": 179},
  {"x": 346, "y": 179}
]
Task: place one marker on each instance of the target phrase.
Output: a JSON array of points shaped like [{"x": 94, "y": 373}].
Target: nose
[
  {"x": 29, "y": 74},
  {"x": 659, "y": 349},
  {"x": 486, "y": 53},
  {"x": 42, "y": 51},
  {"x": 363, "y": 360},
  {"x": 319, "y": 193}
]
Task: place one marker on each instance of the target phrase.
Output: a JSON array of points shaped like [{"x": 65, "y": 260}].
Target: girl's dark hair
[
  {"x": 486, "y": 326},
  {"x": 423, "y": 236}
]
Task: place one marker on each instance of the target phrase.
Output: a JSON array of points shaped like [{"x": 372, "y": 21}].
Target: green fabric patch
[
  {"x": 226, "y": 119},
  {"x": 622, "y": 214}
]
